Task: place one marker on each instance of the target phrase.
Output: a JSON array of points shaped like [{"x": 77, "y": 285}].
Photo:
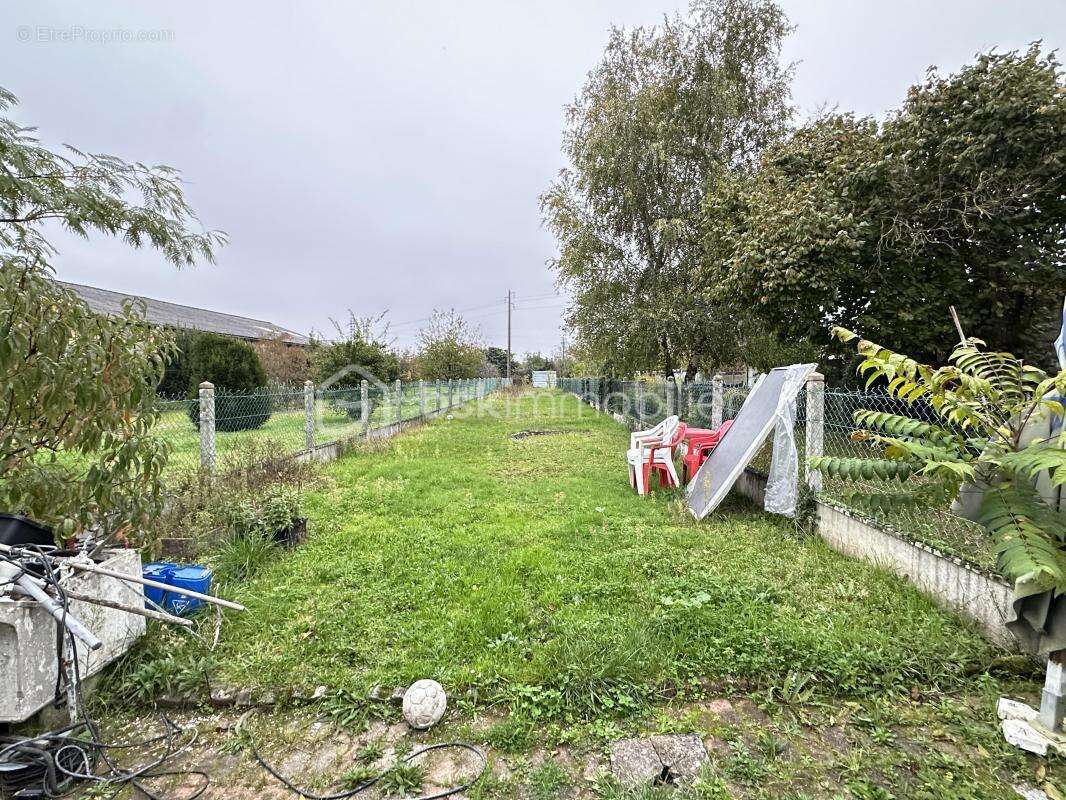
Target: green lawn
[
  {"x": 487, "y": 561},
  {"x": 561, "y": 611},
  {"x": 284, "y": 428}
]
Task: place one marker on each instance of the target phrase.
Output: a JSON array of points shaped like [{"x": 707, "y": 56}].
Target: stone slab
[
  {"x": 634, "y": 762},
  {"x": 683, "y": 754}
]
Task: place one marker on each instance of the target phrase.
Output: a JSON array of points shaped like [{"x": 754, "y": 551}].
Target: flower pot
[{"x": 17, "y": 530}]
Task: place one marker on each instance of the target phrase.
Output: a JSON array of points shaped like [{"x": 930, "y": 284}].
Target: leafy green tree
[
  {"x": 78, "y": 389},
  {"x": 176, "y": 377},
  {"x": 449, "y": 348},
  {"x": 497, "y": 356},
  {"x": 359, "y": 352},
  {"x": 670, "y": 111},
  {"x": 984, "y": 402},
  {"x": 959, "y": 198}
]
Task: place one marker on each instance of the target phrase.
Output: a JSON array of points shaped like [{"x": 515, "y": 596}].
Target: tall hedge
[{"x": 241, "y": 400}]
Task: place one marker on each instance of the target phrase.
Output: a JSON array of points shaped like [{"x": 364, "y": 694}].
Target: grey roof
[{"x": 160, "y": 312}]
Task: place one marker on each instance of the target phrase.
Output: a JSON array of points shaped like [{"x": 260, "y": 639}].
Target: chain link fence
[
  {"x": 936, "y": 526},
  {"x": 642, "y": 404},
  {"x": 292, "y": 421}
]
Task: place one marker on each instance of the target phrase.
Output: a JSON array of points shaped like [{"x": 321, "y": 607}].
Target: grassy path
[{"x": 484, "y": 560}]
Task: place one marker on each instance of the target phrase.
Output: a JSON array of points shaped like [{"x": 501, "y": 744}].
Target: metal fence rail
[{"x": 706, "y": 404}]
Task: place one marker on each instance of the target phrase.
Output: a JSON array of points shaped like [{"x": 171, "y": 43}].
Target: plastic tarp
[
  {"x": 782, "y": 486},
  {"x": 770, "y": 403}
]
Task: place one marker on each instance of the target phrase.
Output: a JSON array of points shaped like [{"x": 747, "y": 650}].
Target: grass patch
[{"x": 529, "y": 570}]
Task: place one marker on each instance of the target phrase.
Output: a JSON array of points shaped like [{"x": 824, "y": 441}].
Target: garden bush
[
  {"x": 237, "y": 411},
  {"x": 241, "y": 403}
]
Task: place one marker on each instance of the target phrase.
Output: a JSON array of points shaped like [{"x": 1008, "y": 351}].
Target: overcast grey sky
[{"x": 389, "y": 155}]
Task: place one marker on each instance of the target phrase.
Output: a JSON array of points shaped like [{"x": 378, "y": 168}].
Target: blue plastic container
[
  {"x": 191, "y": 577},
  {"x": 157, "y": 571}
]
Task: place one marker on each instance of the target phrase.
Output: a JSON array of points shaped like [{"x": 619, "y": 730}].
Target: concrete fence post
[
  {"x": 640, "y": 404},
  {"x": 451, "y": 392},
  {"x": 671, "y": 398},
  {"x": 439, "y": 395},
  {"x": 422, "y": 399},
  {"x": 717, "y": 402},
  {"x": 815, "y": 426},
  {"x": 397, "y": 393},
  {"x": 309, "y": 415},
  {"x": 207, "y": 427},
  {"x": 364, "y": 406}
]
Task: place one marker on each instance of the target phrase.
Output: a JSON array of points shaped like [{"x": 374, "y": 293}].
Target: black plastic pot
[
  {"x": 17, "y": 530},
  {"x": 293, "y": 535}
]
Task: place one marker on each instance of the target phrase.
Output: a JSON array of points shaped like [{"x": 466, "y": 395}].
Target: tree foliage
[
  {"x": 958, "y": 198},
  {"x": 360, "y": 352},
  {"x": 78, "y": 389},
  {"x": 670, "y": 110},
  {"x": 284, "y": 364},
  {"x": 449, "y": 348},
  {"x": 232, "y": 365},
  {"x": 984, "y": 401}
]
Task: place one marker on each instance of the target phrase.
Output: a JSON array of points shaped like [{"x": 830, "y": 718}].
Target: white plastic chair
[{"x": 640, "y": 449}]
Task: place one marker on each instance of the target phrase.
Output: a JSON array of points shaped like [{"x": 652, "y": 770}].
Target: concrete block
[
  {"x": 28, "y": 658},
  {"x": 682, "y": 754}
]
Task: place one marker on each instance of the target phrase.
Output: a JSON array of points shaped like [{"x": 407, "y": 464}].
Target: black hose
[{"x": 304, "y": 793}]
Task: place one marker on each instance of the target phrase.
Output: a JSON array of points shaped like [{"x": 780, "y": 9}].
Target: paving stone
[
  {"x": 222, "y": 697},
  {"x": 377, "y": 693},
  {"x": 243, "y": 698},
  {"x": 723, "y": 709},
  {"x": 397, "y": 695},
  {"x": 634, "y": 762},
  {"x": 683, "y": 754}
]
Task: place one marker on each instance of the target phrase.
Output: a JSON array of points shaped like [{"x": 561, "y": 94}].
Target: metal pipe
[
  {"x": 25, "y": 583},
  {"x": 123, "y": 576},
  {"x": 147, "y": 613}
]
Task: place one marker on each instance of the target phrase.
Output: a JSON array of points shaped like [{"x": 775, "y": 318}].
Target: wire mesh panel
[
  {"x": 175, "y": 426},
  {"x": 276, "y": 419},
  {"x": 935, "y": 526},
  {"x": 338, "y": 414}
]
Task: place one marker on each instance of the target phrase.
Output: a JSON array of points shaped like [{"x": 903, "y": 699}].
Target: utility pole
[{"x": 508, "y": 335}]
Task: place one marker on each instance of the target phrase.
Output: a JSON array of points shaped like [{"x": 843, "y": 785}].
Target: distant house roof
[{"x": 160, "y": 312}]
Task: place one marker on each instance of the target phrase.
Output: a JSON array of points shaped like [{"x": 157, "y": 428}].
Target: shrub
[
  {"x": 230, "y": 364},
  {"x": 237, "y": 411},
  {"x": 235, "y": 370}
]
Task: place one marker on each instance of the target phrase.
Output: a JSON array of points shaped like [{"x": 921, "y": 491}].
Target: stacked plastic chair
[
  {"x": 700, "y": 443},
  {"x": 651, "y": 454}
]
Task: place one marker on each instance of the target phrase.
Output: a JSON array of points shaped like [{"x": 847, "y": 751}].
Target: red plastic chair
[{"x": 700, "y": 443}]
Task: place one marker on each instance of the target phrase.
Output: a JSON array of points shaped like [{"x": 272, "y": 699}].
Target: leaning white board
[{"x": 738, "y": 447}]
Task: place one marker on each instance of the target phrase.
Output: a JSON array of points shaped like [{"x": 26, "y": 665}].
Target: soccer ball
[{"x": 424, "y": 703}]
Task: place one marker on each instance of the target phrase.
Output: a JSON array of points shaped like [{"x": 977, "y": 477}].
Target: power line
[{"x": 456, "y": 310}]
